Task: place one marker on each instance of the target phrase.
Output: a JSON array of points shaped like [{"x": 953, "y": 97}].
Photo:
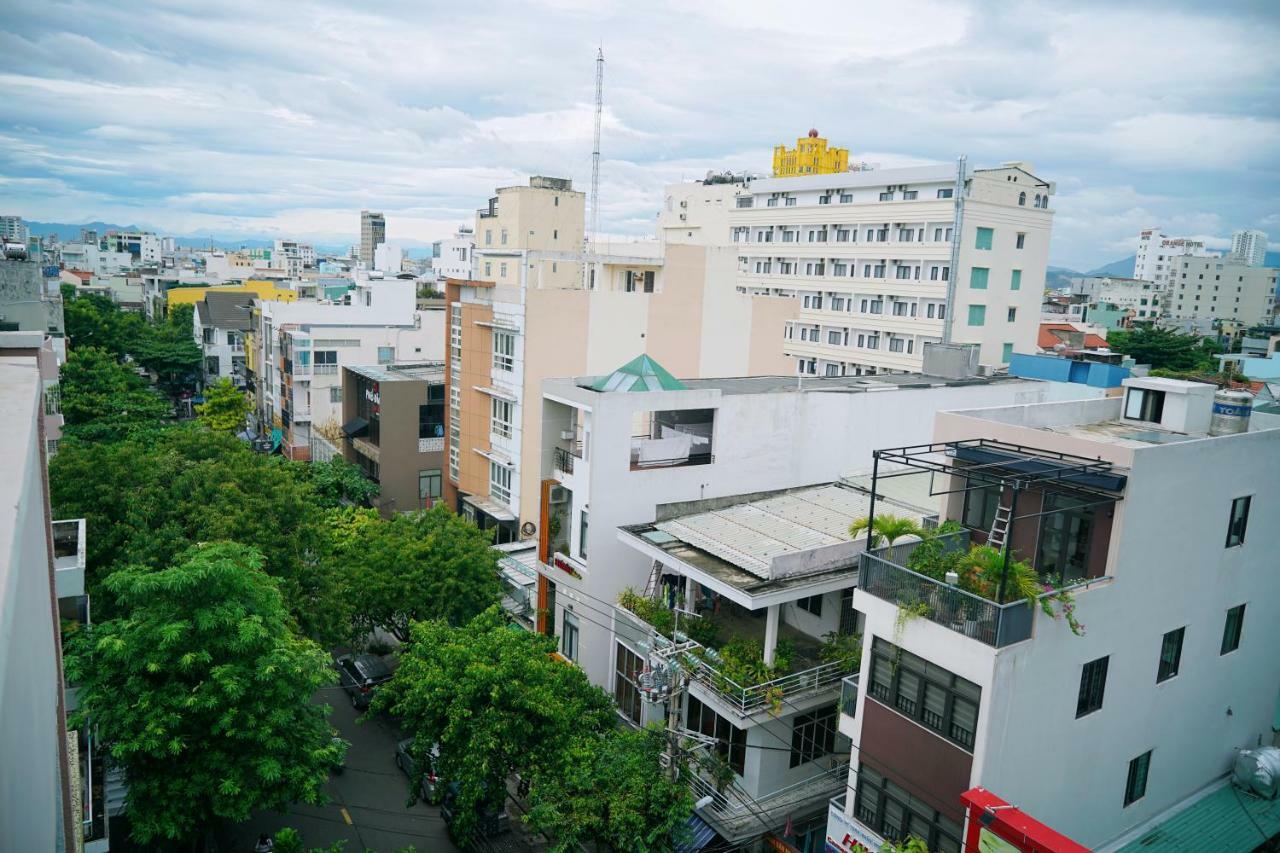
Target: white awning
[{"x": 496, "y": 392}]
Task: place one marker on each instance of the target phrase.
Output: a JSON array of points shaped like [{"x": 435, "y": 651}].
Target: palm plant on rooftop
[{"x": 887, "y": 530}]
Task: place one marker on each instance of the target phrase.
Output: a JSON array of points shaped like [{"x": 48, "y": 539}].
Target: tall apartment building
[
  {"x": 1216, "y": 289},
  {"x": 880, "y": 268},
  {"x": 1249, "y": 248},
  {"x": 141, "y": 246},
  {"x": 1146, "y": 299},
  {"x": 811, "y": 156},
  {"x": 293, "y": 257},
  {"x": 373, "y": 233},
  {"x": 734, "y": 492},
  {"x": 1157, "y": 256},
  {"x": 13, "y": 230},
  {"x": 536, "y": 306},
  {"x": 1154, "y": 524}
]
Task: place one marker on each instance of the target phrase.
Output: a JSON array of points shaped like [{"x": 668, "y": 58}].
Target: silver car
[{"x": 431, "y": 789}]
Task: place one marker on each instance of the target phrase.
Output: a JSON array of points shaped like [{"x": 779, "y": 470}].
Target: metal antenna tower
[{"x": 595, "y": 153}]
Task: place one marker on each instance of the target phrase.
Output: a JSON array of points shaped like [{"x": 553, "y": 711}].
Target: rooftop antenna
[{"x": 595, "y": 153}]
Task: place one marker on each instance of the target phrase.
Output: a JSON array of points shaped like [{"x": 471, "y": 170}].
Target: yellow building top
[
  {"x": 267, "y": 291},
  {"x": 811, "y": 156}
]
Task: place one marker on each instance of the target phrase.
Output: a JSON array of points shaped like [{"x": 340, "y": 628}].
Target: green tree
[
  {"x": 105, "y": 400},
  {"x": 202, "y": 693},
  {"x": 337, "y": 482},
  {"x": 1165, "y": 349},
  {"x": 169, "y": 348},
  {"x": 429, "y": 564},
  {"x": 496, "y": 700},
  {"x": 611, "y": 789},
  {"x": 93, "y": 320},
  {"x": 224, "y": 408}
]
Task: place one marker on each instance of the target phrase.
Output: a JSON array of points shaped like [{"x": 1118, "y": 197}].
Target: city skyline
[{"x": 243, "y": 120}]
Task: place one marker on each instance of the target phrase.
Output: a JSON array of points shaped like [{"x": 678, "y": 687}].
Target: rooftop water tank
[{"x": 1231, "y": 411}]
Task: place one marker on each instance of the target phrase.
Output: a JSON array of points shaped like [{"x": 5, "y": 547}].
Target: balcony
[
  {"x": 803, "y": 673},
  {"x": 849, "y": 695},
  {"x": 737, "y": 815},
  {"x": 675, "y": 438},
  {"x": 69, "y": 557},
  {"x": 563, "y": 459},
  {"x": 325, "y": 370},
  {"x": 847, "y": 832}
]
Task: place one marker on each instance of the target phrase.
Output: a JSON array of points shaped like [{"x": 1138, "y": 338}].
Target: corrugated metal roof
[
  {"x": 751, "y": 534},
  {"x": 1227, "y": 821}
]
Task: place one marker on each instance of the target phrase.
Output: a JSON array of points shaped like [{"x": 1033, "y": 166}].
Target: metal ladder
[
  {"x": 654, "y": 585},
  {"x": 999, "y": 528}
]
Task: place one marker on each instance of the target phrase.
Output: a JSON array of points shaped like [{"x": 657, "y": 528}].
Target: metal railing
[
  {"x": 849, "y": 695},
  {"x": 975, "y": 617},
  {"x": 751, "y": 698},
  {"x": 564, "y": 460},
  {"x": 325, "y": 369},
  {"x": 733, "y": 804}
]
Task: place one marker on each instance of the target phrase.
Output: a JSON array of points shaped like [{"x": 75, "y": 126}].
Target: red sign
[
  {"x": 995, "y": 826},
  {"x": 561, "y": 562}
]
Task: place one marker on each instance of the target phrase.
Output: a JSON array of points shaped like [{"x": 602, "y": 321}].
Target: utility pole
[
  {"x": 595, "y": 152},
  {"x": 957, "y": 199}
]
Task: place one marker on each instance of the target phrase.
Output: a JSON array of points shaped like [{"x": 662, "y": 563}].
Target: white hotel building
[{"x": 881, "y": 268}]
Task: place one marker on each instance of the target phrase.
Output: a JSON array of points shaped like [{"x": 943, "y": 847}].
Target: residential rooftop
[
  {"x": 426, "y": 371},
  {"x": 814, "y": 384}
]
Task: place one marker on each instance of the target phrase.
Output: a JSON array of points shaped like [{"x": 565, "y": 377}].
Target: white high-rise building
[
  {"x": 880, "y": 267},
  {"x": 1156, "y": 258},
  {"x": 1249, "y": 248},
  {"x": 13, "y": 229},
  {"x": 292, "y": 257}
]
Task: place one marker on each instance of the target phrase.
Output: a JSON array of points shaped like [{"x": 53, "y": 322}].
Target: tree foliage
[
  {"x": 224, "y": 408},
  {"x": 496, "y": 701},
  {"x": 888, "y": 528},
  {"x": 104, "y": 400},
  {"x": 1166, "y": 349},
  {"x": 202, "y": 693},
  {"x": 429, "y": 564},
  {"x": 337, "y": 482},
  {"x": 169, "y": 348}
]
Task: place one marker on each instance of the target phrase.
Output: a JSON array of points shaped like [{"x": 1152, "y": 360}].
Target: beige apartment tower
[{"x": 373, "y": 233}]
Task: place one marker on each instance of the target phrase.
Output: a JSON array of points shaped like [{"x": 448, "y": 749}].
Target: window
[
  {"x": 1013, "y": 314},
  {"x": 500, "y": 421},
  {"x": 834, "y": 337},
  {"x": 978, "y": 278},
  {"x": 499, "y": 482},
  {"x": 812, "y": 604},
  {"x": 627, "y": 665},
  {"x": 504, "y": 350},
  {"x": 791, "y": 202},
  {"x": 1143, "y": 404},
  {"x": 944, "y": 193},
  {"x": 980, "y": 507},
  {"x": 897, "y": 344},
  {"x": 1015, "y": 280},
  {"x": 323, "y": 357},
  {"x": 983, "y": 240},
  {"x": 555, "y": 233},
  {"x": 503, "y": 237},
  {"x": 846, "y": 198},
  {"x": 902, "y": 272},
  {"x": 1170, "y": 655},
  {"x": 488, "y": 237},
  {"x": 1022, "y": 241},
  {"x": 813, "y": 735},
  {"x": 429, "y": 487},
  {"x": 1135, "y": 786},
  {"x": 502, "y": 270},
  {"x": 582, "y": 535},
  {"x": 886, "y": 196},
  {"x": 977, "y": 315},
  {"x": 569, "y": 636},
  {"x": 1006, "y": 352},
  {"x": 488, "y": 269},
  {"x": 1022, "y": 199},
  {"x": 731, "y": 741},
  {"x": 1093, "y": 683},
  {"x": 335, "y": 394},
  {"x": 1232, "y": 629},
  {"x": 386, "y": 355},
  {"x": 1239, "y": 519},
  {"x": 925, "y": 692},
  {"x": 891, "y": 810}
]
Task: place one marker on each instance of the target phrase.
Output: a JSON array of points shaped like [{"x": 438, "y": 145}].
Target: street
[{"x": 367, "y": 801}]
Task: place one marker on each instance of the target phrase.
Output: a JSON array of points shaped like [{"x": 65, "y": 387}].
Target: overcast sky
[{"x": 285, "y": 119}]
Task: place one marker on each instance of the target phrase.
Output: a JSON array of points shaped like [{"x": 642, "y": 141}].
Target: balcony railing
[
  {"x": 325, "y": 369},
  {"x": 849, "y": 695},
  {"x": 734, "y": 811},
  {"x": 883, "y": 575},
  {"x": 564, "y": 459},
  {"x": 751, "y": 698}
]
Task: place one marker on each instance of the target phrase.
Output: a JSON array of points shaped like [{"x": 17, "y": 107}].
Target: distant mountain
[
  {"x": 1122, "y": 268},
  {"x": 1059, "y": 278},
  {"x": 68, "y": 231}
]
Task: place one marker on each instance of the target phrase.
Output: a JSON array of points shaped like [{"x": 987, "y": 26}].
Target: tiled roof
[{"x": 1052, "y": 334}]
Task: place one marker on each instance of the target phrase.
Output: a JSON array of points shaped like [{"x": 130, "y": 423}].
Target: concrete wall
[{"x": 30, "y": 680}]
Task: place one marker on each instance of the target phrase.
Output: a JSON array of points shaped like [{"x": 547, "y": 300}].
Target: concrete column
[{"x": 770, "y": 633}]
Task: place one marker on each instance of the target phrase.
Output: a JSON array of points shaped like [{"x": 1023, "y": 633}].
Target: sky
[{"x": 260, "y": 119}]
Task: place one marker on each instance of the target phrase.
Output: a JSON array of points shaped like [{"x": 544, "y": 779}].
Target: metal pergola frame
[{"x": 1059, "y": 467}]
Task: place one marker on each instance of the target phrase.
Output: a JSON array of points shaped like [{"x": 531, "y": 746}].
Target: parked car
[
  {"x": 431, "y": 790},
  {"x": 492, "y": 823},
  {"x": 359, "y": 675}
]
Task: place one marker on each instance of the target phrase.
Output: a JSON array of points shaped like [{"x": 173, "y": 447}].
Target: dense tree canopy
[
  {"x": 202, "y": 693},
  {"x": 429, "y": 564},
  {"x": 337, "y": 482},
  {"x": 105, "y": 400},
  {"x": 224, "y": 408},
  {"x": 1166, "y": 349}
]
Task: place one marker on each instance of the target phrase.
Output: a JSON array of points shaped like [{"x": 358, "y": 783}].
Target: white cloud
[{"x": 246, "y": 117}]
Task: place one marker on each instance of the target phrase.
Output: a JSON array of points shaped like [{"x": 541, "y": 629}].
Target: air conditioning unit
[
  {"x": 567, "y": 435},
  {"x": 559, "y": 495}
]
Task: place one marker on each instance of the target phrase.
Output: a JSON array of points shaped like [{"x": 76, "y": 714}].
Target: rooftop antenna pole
[
  {"x": 595, "y": 153},
  {"x": 957, "y": 194}
]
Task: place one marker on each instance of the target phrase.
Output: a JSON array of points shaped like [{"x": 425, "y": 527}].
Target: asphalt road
[{"x": 366, "y": 802}]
